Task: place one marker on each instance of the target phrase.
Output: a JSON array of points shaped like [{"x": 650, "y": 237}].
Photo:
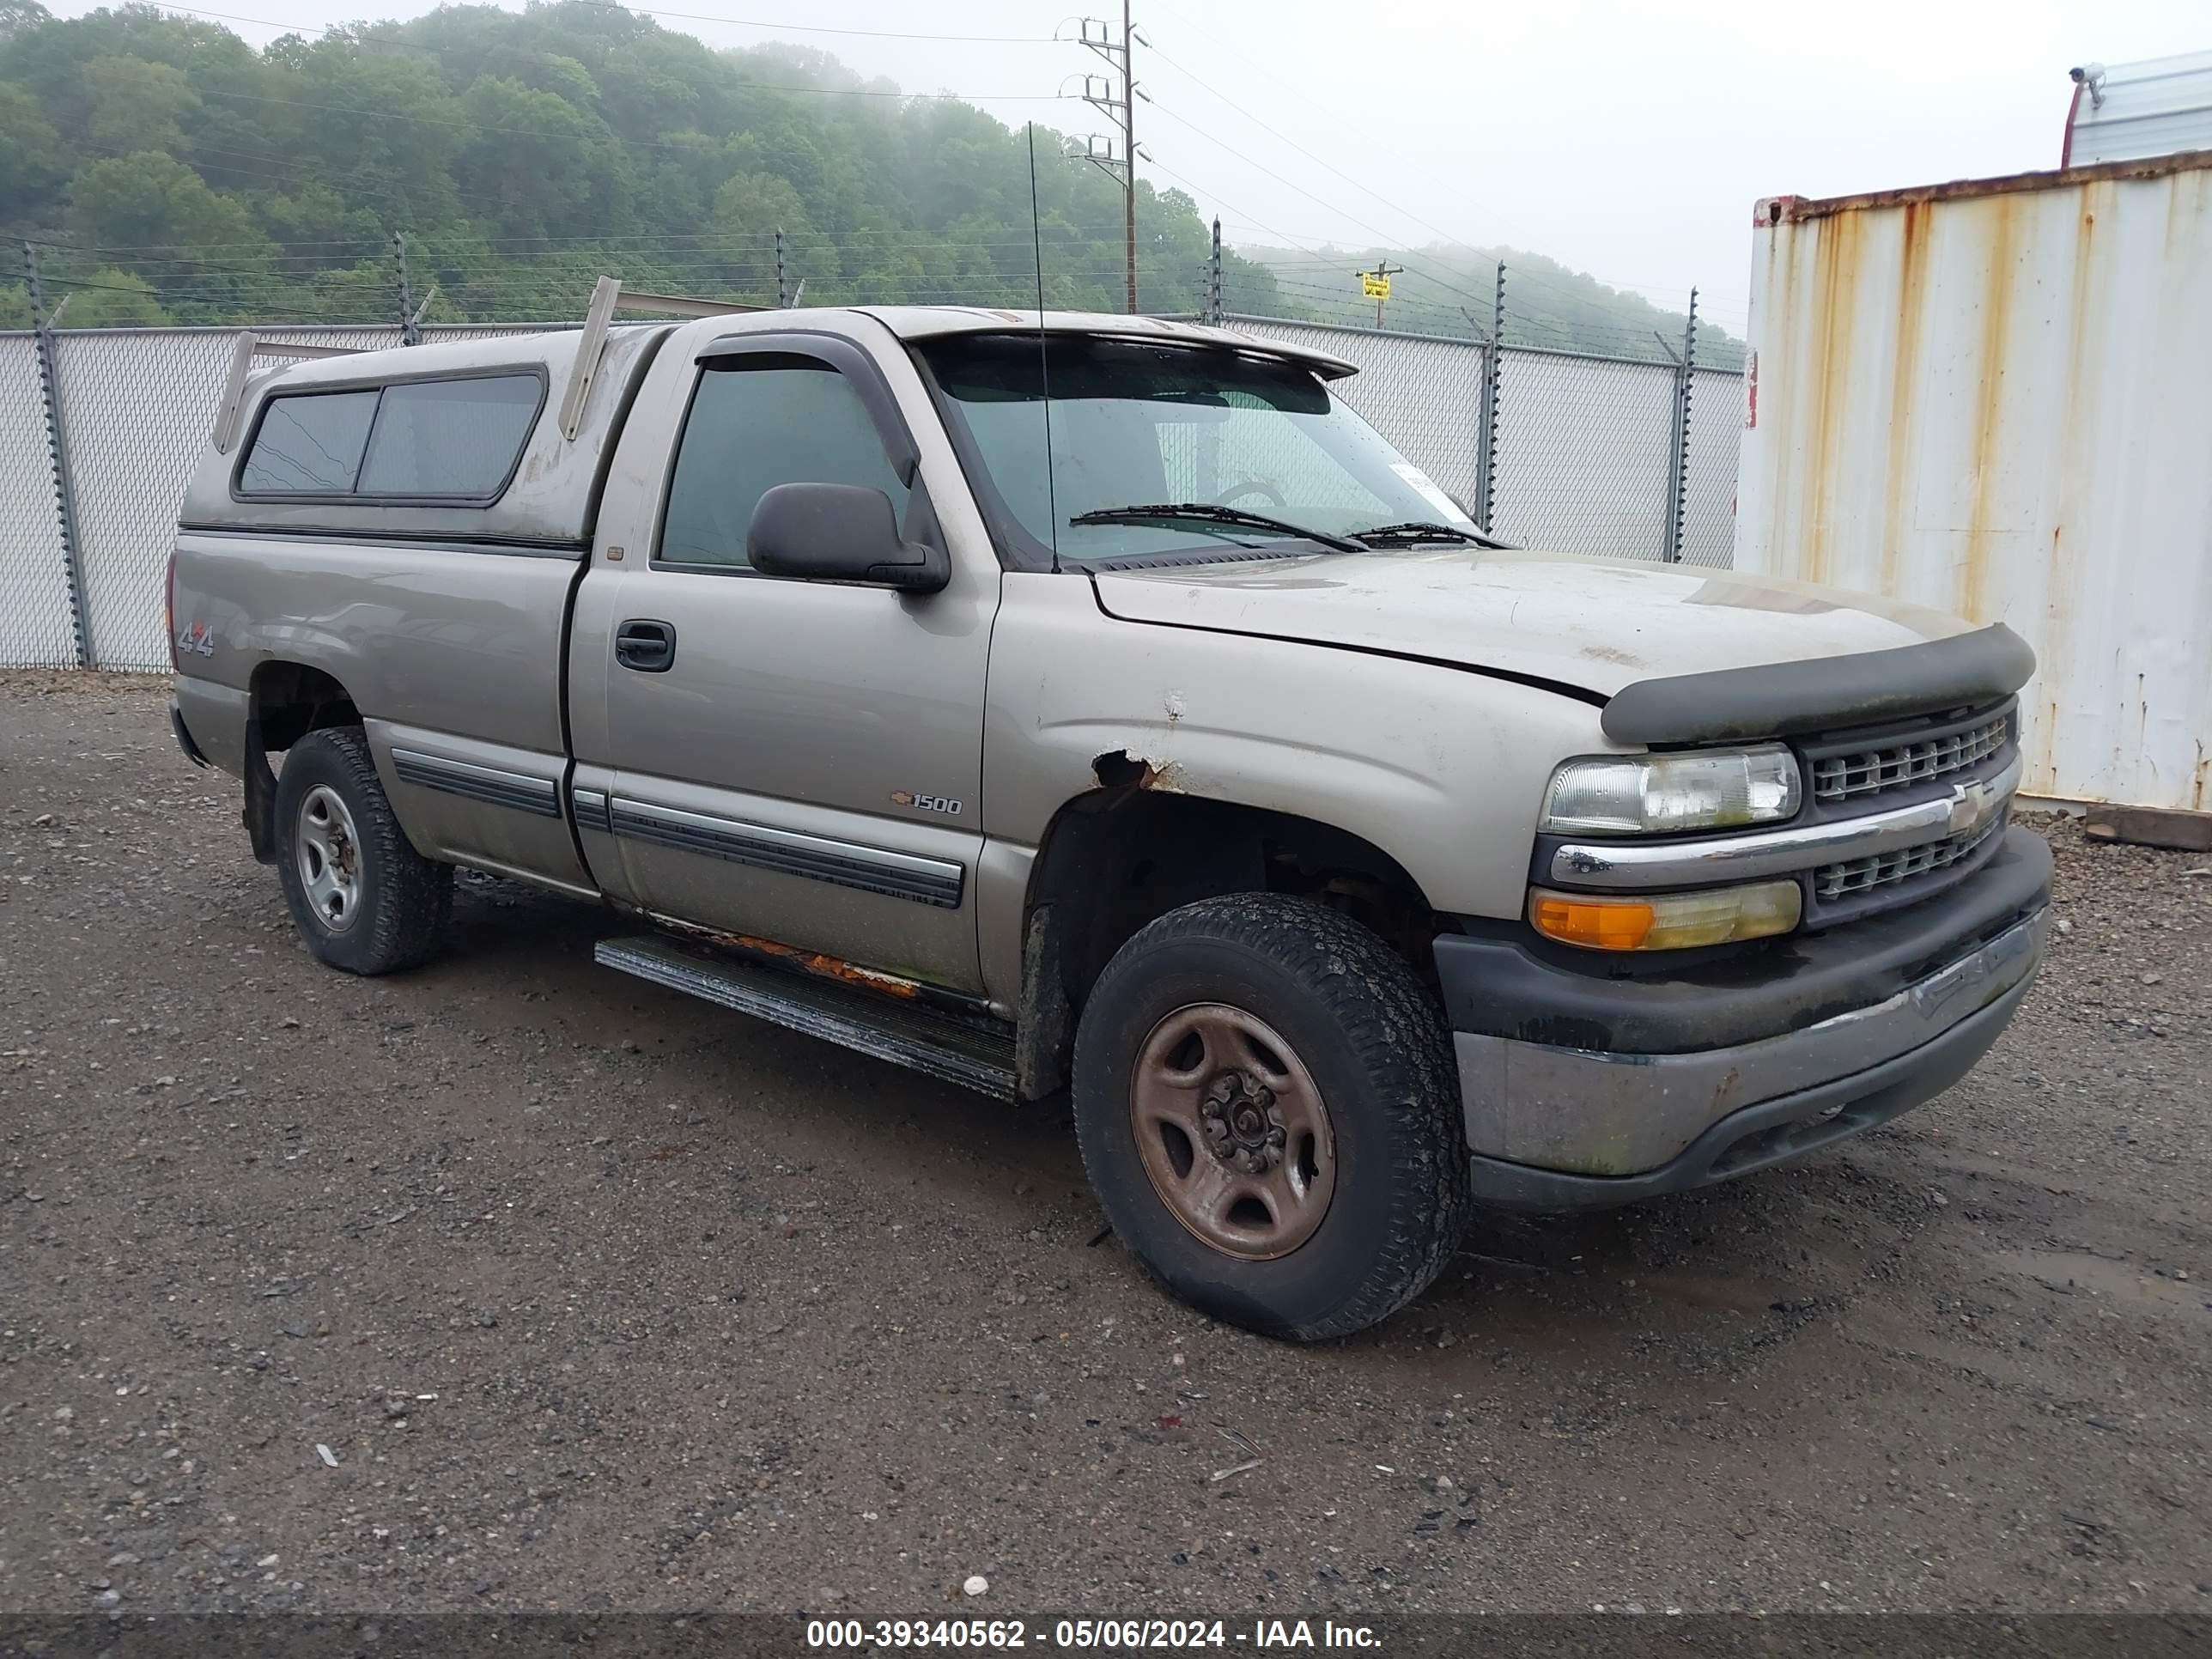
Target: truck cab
[{"x": 1094, "y": 706}]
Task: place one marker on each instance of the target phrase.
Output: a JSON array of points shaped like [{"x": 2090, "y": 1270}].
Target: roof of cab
[{"x": 933, "y": 322}]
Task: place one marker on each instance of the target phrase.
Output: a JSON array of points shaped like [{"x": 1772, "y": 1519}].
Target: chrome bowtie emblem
[{"x": 1972, "y": 805}]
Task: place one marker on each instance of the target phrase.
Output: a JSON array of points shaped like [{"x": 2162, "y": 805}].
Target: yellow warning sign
[{"x": 1374, "y": 286}]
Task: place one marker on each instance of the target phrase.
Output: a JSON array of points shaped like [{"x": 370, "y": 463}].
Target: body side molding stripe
[
  {"x": 524, "y": 793},
  {"x": 843, "y": 863},
  {"x": 591, "y": 806}
]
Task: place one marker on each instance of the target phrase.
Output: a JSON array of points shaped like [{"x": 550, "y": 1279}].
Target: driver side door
[{"x": 801, "y": 764}]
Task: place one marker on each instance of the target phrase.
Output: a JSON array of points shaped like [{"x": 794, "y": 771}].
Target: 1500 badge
[{"x": 944, "y": 804}]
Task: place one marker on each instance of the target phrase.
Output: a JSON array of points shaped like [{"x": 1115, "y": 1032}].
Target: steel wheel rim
[
  {"x": 1233, "y": 1132},
  {"x": 327, "y": 851}
]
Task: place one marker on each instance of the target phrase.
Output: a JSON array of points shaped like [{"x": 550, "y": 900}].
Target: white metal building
[{"x": 2131, "y": 110}]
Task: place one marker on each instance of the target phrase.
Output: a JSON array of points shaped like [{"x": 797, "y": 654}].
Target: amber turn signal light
[{"x": 1665, "y": 921}]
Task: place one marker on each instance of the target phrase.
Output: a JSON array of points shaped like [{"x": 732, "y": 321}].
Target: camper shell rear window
[{"x": 449, "y": 440}]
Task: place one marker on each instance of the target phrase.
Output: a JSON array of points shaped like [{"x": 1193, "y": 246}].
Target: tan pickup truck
[{"x": 1097, "y": 704}]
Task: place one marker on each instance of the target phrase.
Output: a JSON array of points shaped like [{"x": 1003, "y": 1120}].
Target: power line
[
  {"x": 1309, "y": 195},
  {"x": 1303, "y": 150},
  {"x": 825, "y": 28},
  {"x": 648, "y": 11},
  {"x": 638, "y": 143},
  {"x": 1225, "y": 202},
  {"x": 1521, "y": 273},
  {"x": 307, "y": 28}
]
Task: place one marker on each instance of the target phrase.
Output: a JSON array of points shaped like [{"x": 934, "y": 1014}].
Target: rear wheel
[
  {"x": 1268, "y": 1114},
  {"x": 362, "y": 896}
]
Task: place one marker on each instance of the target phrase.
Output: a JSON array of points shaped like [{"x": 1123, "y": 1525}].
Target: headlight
[
  {"x": 1662, "y": 794},
  {"x": 1665, "y": 921}
]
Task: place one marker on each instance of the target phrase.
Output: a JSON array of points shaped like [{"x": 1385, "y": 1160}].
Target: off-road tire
[
  {"x": 1373, "y": 1039},
  {"x": 404, "y": 900}
]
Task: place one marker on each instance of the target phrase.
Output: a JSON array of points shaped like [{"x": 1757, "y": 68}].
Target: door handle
[{"x": 646, "y": 646}]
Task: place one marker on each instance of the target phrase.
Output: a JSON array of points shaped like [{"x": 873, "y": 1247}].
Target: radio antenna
[{"x": 1044, "y": 370}]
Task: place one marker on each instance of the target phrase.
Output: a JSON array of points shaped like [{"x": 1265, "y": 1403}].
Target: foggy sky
[{"x": 1626, "y": 140}]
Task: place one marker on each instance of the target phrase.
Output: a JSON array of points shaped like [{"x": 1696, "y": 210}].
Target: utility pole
[
  {"x": 1097, "y": 34},
  {"x": 1377, "y": 284},
  {"x": 1129, "y": 150}
]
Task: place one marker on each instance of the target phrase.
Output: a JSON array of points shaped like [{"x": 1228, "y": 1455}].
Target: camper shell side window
[{"x": 452, "y": 440}]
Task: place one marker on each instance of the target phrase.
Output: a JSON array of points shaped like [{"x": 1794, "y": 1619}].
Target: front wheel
[
  {"x": 362, "y": 896},
  {"x": 1267, "y": 1110}
]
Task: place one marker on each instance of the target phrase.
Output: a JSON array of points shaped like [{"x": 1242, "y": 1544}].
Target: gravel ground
[{"x": 513, "y": 1283}]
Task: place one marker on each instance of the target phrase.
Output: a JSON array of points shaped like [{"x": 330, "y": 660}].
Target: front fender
[{"x": 1442, "y": 768}]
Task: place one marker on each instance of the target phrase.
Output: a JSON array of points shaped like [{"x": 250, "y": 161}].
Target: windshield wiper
[
  {"x": 1209, "y": 512},
  {"x": 1424, "y": 530}
]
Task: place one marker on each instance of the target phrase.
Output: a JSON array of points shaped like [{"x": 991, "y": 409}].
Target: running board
[{"x": 941, "y": 1045}]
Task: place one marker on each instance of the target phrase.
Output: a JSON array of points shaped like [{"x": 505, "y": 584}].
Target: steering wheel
[{"x": 1253, "y": 487}]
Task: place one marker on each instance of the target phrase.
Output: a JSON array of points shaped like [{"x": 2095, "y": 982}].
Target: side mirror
[{"x": 839, "y": 533}]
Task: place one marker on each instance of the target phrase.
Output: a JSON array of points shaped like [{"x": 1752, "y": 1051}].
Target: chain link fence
[
  {"x": 135, "y": 407},
  {"x": 1583, "y": 454},
  {"x": 1591, "y": 455},
  {"x": 37, "y": 629},
  {"x": 1709, "y": 482},
  {"x": 1422, "y": 392},
  {"x": 1586, "y": 457}
]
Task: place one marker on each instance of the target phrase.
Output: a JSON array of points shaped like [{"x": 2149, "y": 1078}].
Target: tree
[
  {"x": 114, "y": 299},
  {"x": 749, "y": 209},
  {"x": 19, "y": 15},
  {"x": 524, "y": 154},
  {"x": 150, "y": 200},
  {"x": 553, "y": 168},
  {"x": 134, "y": 105},
  {"x": 32, "y": 165}
]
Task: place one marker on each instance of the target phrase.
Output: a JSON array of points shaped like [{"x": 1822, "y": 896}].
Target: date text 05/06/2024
[{"x": 1094, "y": 1635}]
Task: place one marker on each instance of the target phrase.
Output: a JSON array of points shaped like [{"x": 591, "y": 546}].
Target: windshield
[{"x": 1146, "y": 424}]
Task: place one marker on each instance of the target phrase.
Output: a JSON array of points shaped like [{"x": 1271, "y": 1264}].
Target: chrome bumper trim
[{"x": 1785, "y": 851}]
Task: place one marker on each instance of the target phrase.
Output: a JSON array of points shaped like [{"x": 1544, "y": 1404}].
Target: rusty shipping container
[{"x": 1995, "y": 398}]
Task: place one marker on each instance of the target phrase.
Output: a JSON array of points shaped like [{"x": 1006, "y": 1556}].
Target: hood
[{"x": 1594, "y": 624}]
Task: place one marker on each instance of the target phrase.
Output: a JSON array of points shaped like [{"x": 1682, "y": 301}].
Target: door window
[{"x": 757, "y": 423}]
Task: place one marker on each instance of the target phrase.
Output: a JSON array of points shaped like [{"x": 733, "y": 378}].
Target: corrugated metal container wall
[{"x": 1995, "y": 398}]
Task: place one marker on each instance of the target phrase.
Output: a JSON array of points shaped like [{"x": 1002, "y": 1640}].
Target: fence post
[
  {"x": 410, "y": 332},
  {"x": 1678, "y": 459},
  {"x": 1485, "y": 459},
  {"x": 1213, "y": 278},
  {"x": 782, "y": 294},
  {"x": 49, "y": 399}
]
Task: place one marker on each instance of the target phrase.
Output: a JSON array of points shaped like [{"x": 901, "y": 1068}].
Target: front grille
[
  {"x": 1879, "y": 870},
  {"x": 1854, "y": 772}
]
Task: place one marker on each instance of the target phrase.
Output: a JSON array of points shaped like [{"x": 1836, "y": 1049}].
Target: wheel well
[
  {"x": 290, "y": 700},
  {"x": 285, "y": 702},
  {"x": 1114, "y": 859}
]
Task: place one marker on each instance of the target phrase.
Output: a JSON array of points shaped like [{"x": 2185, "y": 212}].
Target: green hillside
[
  {"x": 167, "y": 172},
  {"x": 174, "y": 172}
]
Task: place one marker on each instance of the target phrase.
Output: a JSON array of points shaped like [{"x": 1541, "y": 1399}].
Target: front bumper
[{"x": 1582, "y": 1091}]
